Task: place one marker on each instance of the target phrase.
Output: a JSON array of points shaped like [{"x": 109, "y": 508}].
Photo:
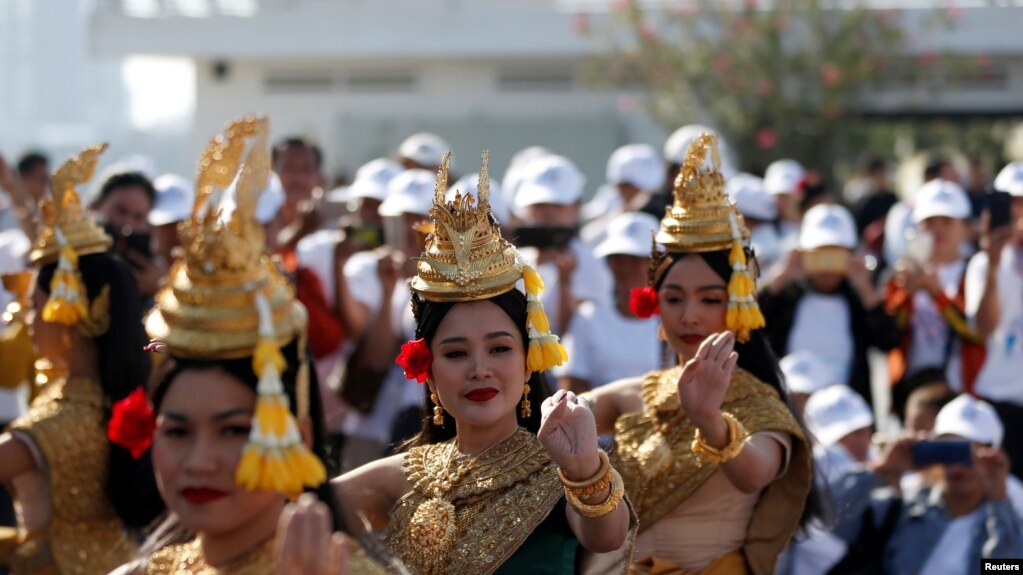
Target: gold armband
[
  {"x": 592, "y": 486},
  {"x": 614, "y": 499},
  {"x": 737, "y": 435}
]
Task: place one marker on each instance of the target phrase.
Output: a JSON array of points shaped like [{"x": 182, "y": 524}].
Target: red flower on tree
[
  {"x": 415, "y": 359},
  {"x": 132, "y": 423},
  {"x": 643, "y": 302}
]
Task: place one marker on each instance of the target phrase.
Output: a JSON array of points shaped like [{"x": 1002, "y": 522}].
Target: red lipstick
[
  {"x": 481, "y": 395},
  {"x": 201, "y": 495},
  {"x": 692, "y": 339}
]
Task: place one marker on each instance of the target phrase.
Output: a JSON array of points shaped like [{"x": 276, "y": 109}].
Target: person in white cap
[
  {"x": 422, "y": 151},
  {"x": 844, "y": 425},
  {"x": 298, "y": 164},
  {"x": 369, "y": 188},
  {"x": 759, "y": 210},
  {"x": 547, "y": 206},
  {"x": 926, "y": 294},
  {"x": 174, "y": 198},
  {"x": 823, "y": 300},
  {"x": 944, "y": 528},
  {"x": 376, "y": 304},
  {"x": 469, "y": 184},
  {"x": 634, "y": 172},
  {"x": 606, "y": 341},
  {"x": 994, "y": 306},
  {"x": 805, "y": 374},
  {"x": 514, "y": 173},
  {"x": 783, "y": 180}
]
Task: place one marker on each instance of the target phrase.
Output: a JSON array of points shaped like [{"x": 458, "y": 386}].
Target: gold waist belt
[{"x": 732, "y": 563}]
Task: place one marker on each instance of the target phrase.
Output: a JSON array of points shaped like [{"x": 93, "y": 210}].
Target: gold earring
[
  {"x": 527, "y": 409},
  {"x": 438, "y": 411}
]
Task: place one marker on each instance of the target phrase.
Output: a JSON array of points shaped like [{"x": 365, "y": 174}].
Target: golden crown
[
  {"x": 466, "y": 258},
  {"x": 699, "y": 219},
  {"x": 63, "y": 214},
  {"x": 207, "y": 306}
]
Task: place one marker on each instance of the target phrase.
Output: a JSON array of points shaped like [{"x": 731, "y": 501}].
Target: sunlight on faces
[
  {"x": 693, "y": 300},
  {"x": 202, "y": 425},
  {"x": 478, "y": 346},
  {"x": 947, "y": 233},
  {"x": 299, "y": 174}
]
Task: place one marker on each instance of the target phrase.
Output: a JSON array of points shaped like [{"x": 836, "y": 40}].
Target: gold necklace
[
  {"x": 191, "y": 560},
  {"x": 434, "y": 523}
]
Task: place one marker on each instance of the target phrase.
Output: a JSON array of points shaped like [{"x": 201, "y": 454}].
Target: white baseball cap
[
  {"x": 174, "y": 198},
  {"x": 972, "y": 419},
  {"x": 372, "y": 178},
  {"x": 827, "y": 225},
  {"x": 514, "y": 174},
  {"x": 807, "y": 373},
  {"x": 834, "y": 412},
  {"x": 469, "y": 185},
  {"x": 550, "y": 180},
  {"x": 267, "y": 206},
  {"x": 941, "y": 198},
  {"x": 783, "y": 177},
  {"x": 628, "y": 234},
  {"x": 750, "y": 196},
  {"x": 424, "y": 149},
  {"x": 677, "y": 145},
  {"x": 636, "y": 164},
  {"x": 410, "y": 192},
  {"x": 1010, "y": 179}
]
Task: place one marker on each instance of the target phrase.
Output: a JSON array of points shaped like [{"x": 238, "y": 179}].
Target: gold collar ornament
[
  {"x": 702, "y": 219},
  {"x": 467, "y": 259},
  {"x": 67, "y": 232},
  {"x": 225, "y": 299}
]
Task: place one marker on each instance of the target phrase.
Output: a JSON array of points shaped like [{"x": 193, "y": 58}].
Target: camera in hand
[
  {"x": 368, "y": 236},
  {"x": 942, "y": 452},
  {"x": 544, "y": 237},
  {"x": 128, "y": 240}
]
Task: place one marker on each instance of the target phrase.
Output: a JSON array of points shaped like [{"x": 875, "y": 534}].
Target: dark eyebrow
[
  {"x": 492, "y": 335},
  {"x": 713, "y": 287},
  {"x": 179, "y": 417}
]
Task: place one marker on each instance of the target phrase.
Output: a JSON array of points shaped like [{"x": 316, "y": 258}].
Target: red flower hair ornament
[
  {"x": 132, "y": 423},
  {"x": 643, "y": 302},
  {"x": 415, "y": 359}
]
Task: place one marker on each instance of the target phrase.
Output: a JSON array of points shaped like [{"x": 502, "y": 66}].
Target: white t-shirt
[
  {"x": 397, "y": 393},
  {"x": 316, "y": 252},
  {"x": 14, "y": 246},
  {"x": 999, "y": 379},
  {"x": 952, "y": 553},
  {"x": 604, "y": 346},
  {"x": 591, "y": 280},
  {"x": 822, "y": 327},
  {"x": 930, "y": 330}
]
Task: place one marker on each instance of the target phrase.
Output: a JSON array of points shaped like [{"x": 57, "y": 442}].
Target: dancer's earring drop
[
  {"x": 527, "y": 409},
  {"x": 438, "y": 411}
]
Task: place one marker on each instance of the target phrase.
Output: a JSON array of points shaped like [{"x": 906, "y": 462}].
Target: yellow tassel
[
  {"x": 266, "y": 352},
  {"x": 533, "y": 281},
  {"x": 758, "y": 318},
  {"x": 740, "y": 284},
  {"x": 537, "y": 318},
  {"x": 534, "y": 358},
  {"x": 272, "y": 415},
  {"x": 732, "y": 316},
  {"x": 737, "y": 255},
  {"x": 67, "y": 304}
]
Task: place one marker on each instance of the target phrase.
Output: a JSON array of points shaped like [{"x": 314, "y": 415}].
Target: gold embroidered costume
[
  {"x": 65, "y": 427},
  {"x": 659, "y": 452}
]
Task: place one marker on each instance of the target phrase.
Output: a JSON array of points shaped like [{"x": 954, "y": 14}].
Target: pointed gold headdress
[
  {"x": 225, "y": 299},
  {"x": 702, "y": 219},
  {"x": 467, "y": 259}
]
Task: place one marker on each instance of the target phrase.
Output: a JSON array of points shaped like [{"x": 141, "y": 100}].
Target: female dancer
[
  {"x": 234, "y": 411},
  {"x": 78, "y": 495},
  {"x": 483, "y": 487},
  {"x": 715, "y": 461}
]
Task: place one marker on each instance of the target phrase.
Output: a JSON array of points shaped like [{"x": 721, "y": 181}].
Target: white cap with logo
[
  {"x": 410, "y": 192},
  {"x": 941, "y": 198},
  {"x": 751, "y": 197},
  {"x": 424, "y": 149},
  {"x": 1010, "y": 179},
  {"x": 174, "y": 198},
  {"x": 636, "y": 164},
  {"x": 807, "y": 373},
  {"x": 372, "y": 178},
  {"x": 470, "y": 184},
  {"x": 784, "y": 177},
  {"x": 972, "y": 419},
  {"x": 827, "y": 225},
  {"x": 550, "y": 180},
  {"x": 628, "y": 234},
  {"x": 834, "y": 412}
]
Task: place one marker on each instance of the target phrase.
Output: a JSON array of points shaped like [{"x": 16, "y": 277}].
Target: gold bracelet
[
  {"x": 614, "y": 499},
  {"x": 737, "y": 435},
  {"x": 592, "y": 486}
]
